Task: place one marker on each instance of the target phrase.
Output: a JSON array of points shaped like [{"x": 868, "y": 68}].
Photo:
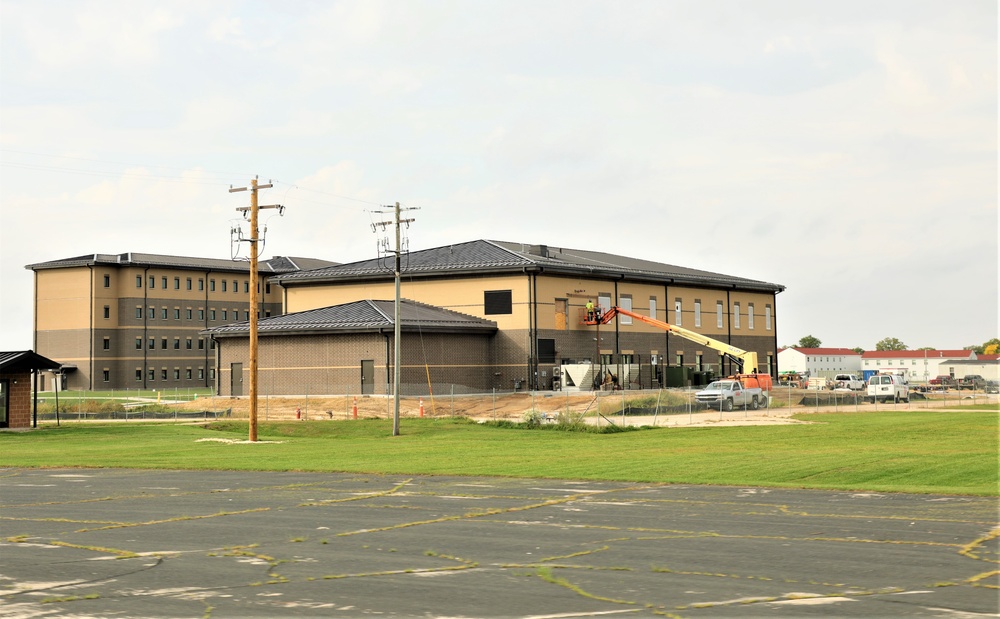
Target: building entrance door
[
  {"x": 236, "y": 379},
  {"x": 367, "y": 376}
]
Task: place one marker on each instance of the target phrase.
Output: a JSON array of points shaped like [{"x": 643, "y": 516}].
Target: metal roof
[
  {"x": 277, "y": 264},
  {"x": 482, "y": 256},
  {"x": 361, "y": 316},
  {"x": 25, "y": 361}
]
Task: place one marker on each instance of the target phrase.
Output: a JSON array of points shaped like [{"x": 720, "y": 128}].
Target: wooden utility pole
[
  {"x": 254, "y": 292},
  {"x": 397, "y": 331}
]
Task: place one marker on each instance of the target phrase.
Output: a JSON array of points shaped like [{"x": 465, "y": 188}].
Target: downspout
[
  {"x": 387, "y": 371},
  {"x": 145, "y": 326},
  {"x": 729, "y": 334},
  {"x": 774, "y": 326},
  {"x": 93, "y": 335},
  {"x": 208, "y": 365},
  {"x": 533, "y": 332}
]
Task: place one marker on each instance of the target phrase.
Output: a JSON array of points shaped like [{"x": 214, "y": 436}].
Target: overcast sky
[{"x": 845, "y": 150}]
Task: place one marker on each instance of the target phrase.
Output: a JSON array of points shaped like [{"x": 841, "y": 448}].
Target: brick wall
[{"x": 19, "y": 399}]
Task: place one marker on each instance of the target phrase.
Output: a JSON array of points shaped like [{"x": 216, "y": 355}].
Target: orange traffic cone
[
  {"x": 355, "y": 411},
  {"x": 421, "y": 407}
]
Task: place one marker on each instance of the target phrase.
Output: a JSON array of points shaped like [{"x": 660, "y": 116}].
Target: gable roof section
[
  {"x": 26, "y": 361},
  {"x": 362, "y": 316},
  {"x": 482, "y": 257},
  {"x": 824, "y": 351},
  {"x": 278, "y": 264},
  {"x": 918, "y": 354}
]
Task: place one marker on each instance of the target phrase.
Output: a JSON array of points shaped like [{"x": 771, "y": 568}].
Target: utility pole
[
  {"x": 396, "y": 327},
  {"x": 254, "y": 296}
]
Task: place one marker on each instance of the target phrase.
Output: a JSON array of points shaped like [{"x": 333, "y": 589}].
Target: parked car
[
  {"x": 944, "y": 381},
  {"x": 848, "y": 381},
  {"x": 972, "y": 381},
  {"x": 992, "y": 386},
  {"x": 888, "y": 387},
  {"x": 726, "y": 394}
]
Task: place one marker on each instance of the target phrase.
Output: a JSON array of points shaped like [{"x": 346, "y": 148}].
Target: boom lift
[{"x": 745, "y": 360}]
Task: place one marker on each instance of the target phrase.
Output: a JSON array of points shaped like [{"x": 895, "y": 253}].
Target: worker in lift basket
[{"x": 590, "y": 310}]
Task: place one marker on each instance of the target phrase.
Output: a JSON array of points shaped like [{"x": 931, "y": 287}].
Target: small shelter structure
[{"x": 17, "y": 389}]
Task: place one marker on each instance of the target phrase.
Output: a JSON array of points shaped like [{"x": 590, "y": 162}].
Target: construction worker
[{"x": 590, "y": 310}]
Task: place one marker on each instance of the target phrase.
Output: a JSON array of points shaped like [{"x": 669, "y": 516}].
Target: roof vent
[{"x": 539, "y": 250}]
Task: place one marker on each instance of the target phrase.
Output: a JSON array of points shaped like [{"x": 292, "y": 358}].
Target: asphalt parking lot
[{"x": 133, "y": 543}]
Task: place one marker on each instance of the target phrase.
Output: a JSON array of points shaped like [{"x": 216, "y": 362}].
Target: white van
[{"x": 887, "y": 387}]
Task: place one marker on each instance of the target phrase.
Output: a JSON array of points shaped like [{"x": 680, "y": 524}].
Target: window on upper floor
[
  {"x": 107, "y": 281},
  {"x": 697, "y": 312},
  {"x": 718, "y": 314},
  {"x": 677, "y": 312},
  {"x": 177, "y": 283},
  {"x": 750, "y": 316},
  {"x": 626, "y": 303},
  {"x": 494, "y": 302},
  {"x": 736, "y": 315}
]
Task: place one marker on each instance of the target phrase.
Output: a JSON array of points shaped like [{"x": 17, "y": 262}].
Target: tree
[
  {"x": 990, "y": 347},
  {"x": 890, "y": 343},
  {"x": 809, "y": 342},
  {"x": 859, "y": 350}
]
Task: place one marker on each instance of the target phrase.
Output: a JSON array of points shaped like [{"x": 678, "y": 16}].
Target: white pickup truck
[
  {"x": 848, "y": 381},
  {"x": 729, "y": 393}
]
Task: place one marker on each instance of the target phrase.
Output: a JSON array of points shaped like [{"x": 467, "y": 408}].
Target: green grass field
[{"x": 923, "y": 451}]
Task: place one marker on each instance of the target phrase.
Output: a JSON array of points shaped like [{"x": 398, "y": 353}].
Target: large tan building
[
  {"x": 117, "y": 321},
  {"x": 536, "y": 295}
]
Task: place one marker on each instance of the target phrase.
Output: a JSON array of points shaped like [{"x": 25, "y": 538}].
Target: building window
[
  {"x": 652, "y": 308},
  {"x": 560, "y": 317},
  {"x": 177, "y": 373},
  {"x": 163, "y": 313},
  {"x": 163, "y": 374},
  {"x": 211, "y": 346},
  {"x": 246, "y": 314},
  {"x": 224, "y": 284},
  {"x": 697, "y": 312},
  {"x": 626, "y": 303},
  {"x": 267, "y": 313},
  {"x": 201, "y": 314},
  {"x": 201, "y": 343},
  {"x": 187, "y": 373},
  {"x": 107, "y": 311},
  {"x": 177, "y": 343},
  {"x": 201, "y": 373},
  {"x": 680, "y": 359},
  {"x": 152, "y": 282},
  {"x": 152, "y": 343},
  {"x": 211, "y": 285},
  {"x": 736, "y": 315},
  {"x": 138, "y": 343},
  {"x": 107, "y": 343},
  {"x": 718, "y": 314},
  {"x": 138, "y": 374},
  {"x": 177, "y": 313},
  {"x": 494, "y": 302},
  {"x": 677, "y": 312},
  {"x": 138, "y": 313},
  {"x": 151, "y": 374},
  {"x": 188, "y": 314},
  {"x": 750, "y": 316},
  {"x": 767, "y": 317},
  {"x": 211, "y": 314},
  {"x": 187, "y": 343},
  {"x": 225, "y": 314},
  {"x": 107, "y": 281},
  {"x": 201, "y": 284},
  {"x": 188, "y": 283},
  {"x": 236, "y": 286},
  {"x": 267, "y": 288},
  {"x": 151, "y": 313},
  {"x": 211, "y": 372},
  {"x": 177, "y": 283},
  {"x": 138, "y": 284},
  {"x": 246, "y": 286},
  {"x": 163, "y": 281},
  {"x": 164, "y": 344}
]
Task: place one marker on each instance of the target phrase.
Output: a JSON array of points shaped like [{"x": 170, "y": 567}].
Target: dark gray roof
[
  {"x": 361, "y": 316},
  {"x": 25, "y": 361},
  {"x": 479, "y": 257},
  {"x": 278, "y": 264}
]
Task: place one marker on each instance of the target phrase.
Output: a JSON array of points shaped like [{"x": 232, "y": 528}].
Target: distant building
[
  {"x": 536, "y": 296},
  {"x": 819, "y": 361},
  {"x": 126, "y": 321},
  {"x": 918, "y": 365},
  {"x": 987, "y": 366}
]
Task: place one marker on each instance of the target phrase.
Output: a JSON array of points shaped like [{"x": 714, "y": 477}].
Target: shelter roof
[
  {"x": 482, "y": 256},
  {"x": 364, "y": 316},
  {"x": 25, "y": 361}
]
